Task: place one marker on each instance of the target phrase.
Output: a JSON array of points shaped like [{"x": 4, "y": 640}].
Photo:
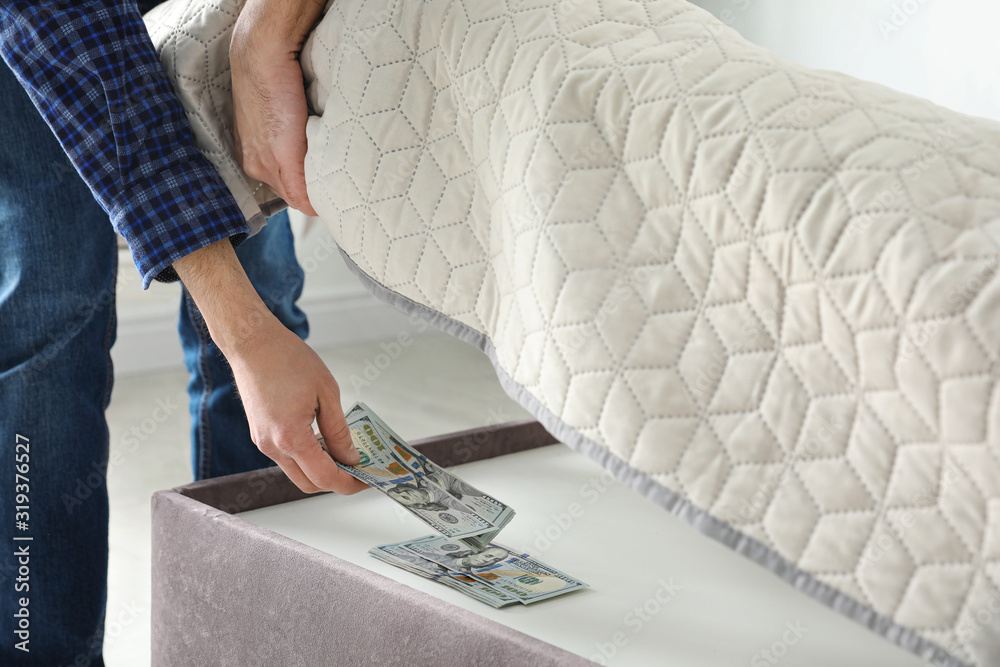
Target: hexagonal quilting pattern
[{"x": 770, "y": 290}]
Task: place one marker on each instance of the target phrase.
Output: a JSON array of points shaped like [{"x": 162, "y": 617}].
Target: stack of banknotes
[
  {"x": 496, "y": 575},
  {"x": 463, "y": 555}
]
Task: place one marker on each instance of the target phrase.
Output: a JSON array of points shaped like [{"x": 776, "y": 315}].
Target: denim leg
[
  {"x": 58, "y": 261},
  {"x": 220, "y": 435}
]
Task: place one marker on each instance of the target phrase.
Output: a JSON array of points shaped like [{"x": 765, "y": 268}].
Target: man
[
  {"x": 459, "y": 488},
  {"x": 418, "y": 497},
  {"x": 477, "y": 560},
  {"x": 91, "y": 71}
]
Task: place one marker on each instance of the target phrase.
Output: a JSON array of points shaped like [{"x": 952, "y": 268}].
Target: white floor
[{"x": 434, "y": 385}]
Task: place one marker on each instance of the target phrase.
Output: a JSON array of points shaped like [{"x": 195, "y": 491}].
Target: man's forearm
[
  {"x": 234, "y": 312},
  {"x": 283, "y": 383}
]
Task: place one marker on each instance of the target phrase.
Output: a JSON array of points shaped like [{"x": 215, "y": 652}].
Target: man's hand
[
  {"x": 283, "y": 383},
  {"x": 269, "y": 99},
  {"x": 284, "y": 386}
]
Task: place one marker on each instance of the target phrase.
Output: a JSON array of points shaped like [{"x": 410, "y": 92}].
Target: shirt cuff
[{"x": 171, "y": 214}]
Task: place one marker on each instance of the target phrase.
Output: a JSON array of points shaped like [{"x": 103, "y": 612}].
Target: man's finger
[
  {"x": 324, "y": 473},
  {"x": 320, "y": 468},
  {"x": 293, "y": 187},
  {"x": 294, "y": 473},
  {"x": 336, "y": 434},
  {"x": 237, "y": 141},
  {"x": 300, "y": 203}
]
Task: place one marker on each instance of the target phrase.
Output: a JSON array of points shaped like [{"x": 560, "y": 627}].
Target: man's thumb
[{"x": 336, "y": 434}]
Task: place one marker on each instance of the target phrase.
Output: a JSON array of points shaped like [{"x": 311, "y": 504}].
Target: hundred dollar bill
[
  {"x": 396, "y": 555},
  {"x": 391, "y": 473},
  {"x": 483, "y": 504},
  {"x": 520, "y": 575},
  {"x": 446, "y": 503}
]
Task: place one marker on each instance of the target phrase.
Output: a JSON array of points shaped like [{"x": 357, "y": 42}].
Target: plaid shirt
[{"x": 91, "y": 70}]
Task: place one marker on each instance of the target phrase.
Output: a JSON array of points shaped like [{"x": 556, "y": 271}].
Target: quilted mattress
[{"x": 765, "y": 296}]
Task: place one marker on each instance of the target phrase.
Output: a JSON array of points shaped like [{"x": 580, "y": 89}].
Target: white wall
[
  {"x": 945, "y": 50},
  {"x": 340, "y": 310}
]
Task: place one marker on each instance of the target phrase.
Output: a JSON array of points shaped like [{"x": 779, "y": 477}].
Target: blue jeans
[{"x": 58, "y": 264}]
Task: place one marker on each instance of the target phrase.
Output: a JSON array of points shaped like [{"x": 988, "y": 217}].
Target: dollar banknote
[
  {"x": 395, "y": 554},
  {"x": 437, "y": 497},
  {"x": 465, "y": 558},
  {"x": 519, "y": 575},
  {"x": 483, "y": 504}
]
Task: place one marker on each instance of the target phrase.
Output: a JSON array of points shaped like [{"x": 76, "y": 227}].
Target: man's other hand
[{"x": 269, "y": 99}]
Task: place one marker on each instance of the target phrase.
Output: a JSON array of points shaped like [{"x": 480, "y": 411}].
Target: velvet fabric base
[{"x": 226, "y": 592}]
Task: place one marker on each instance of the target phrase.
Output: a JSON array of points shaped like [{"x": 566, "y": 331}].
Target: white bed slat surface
[{"x": 727, "y": 611}]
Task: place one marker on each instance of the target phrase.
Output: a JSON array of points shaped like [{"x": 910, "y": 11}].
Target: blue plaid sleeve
[{"x": 91, "y": 70}]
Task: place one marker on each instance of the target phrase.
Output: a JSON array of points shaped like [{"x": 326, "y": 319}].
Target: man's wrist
[
  {"x": 277, "y": 27},
  {"x": 236, "y": 316}
]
